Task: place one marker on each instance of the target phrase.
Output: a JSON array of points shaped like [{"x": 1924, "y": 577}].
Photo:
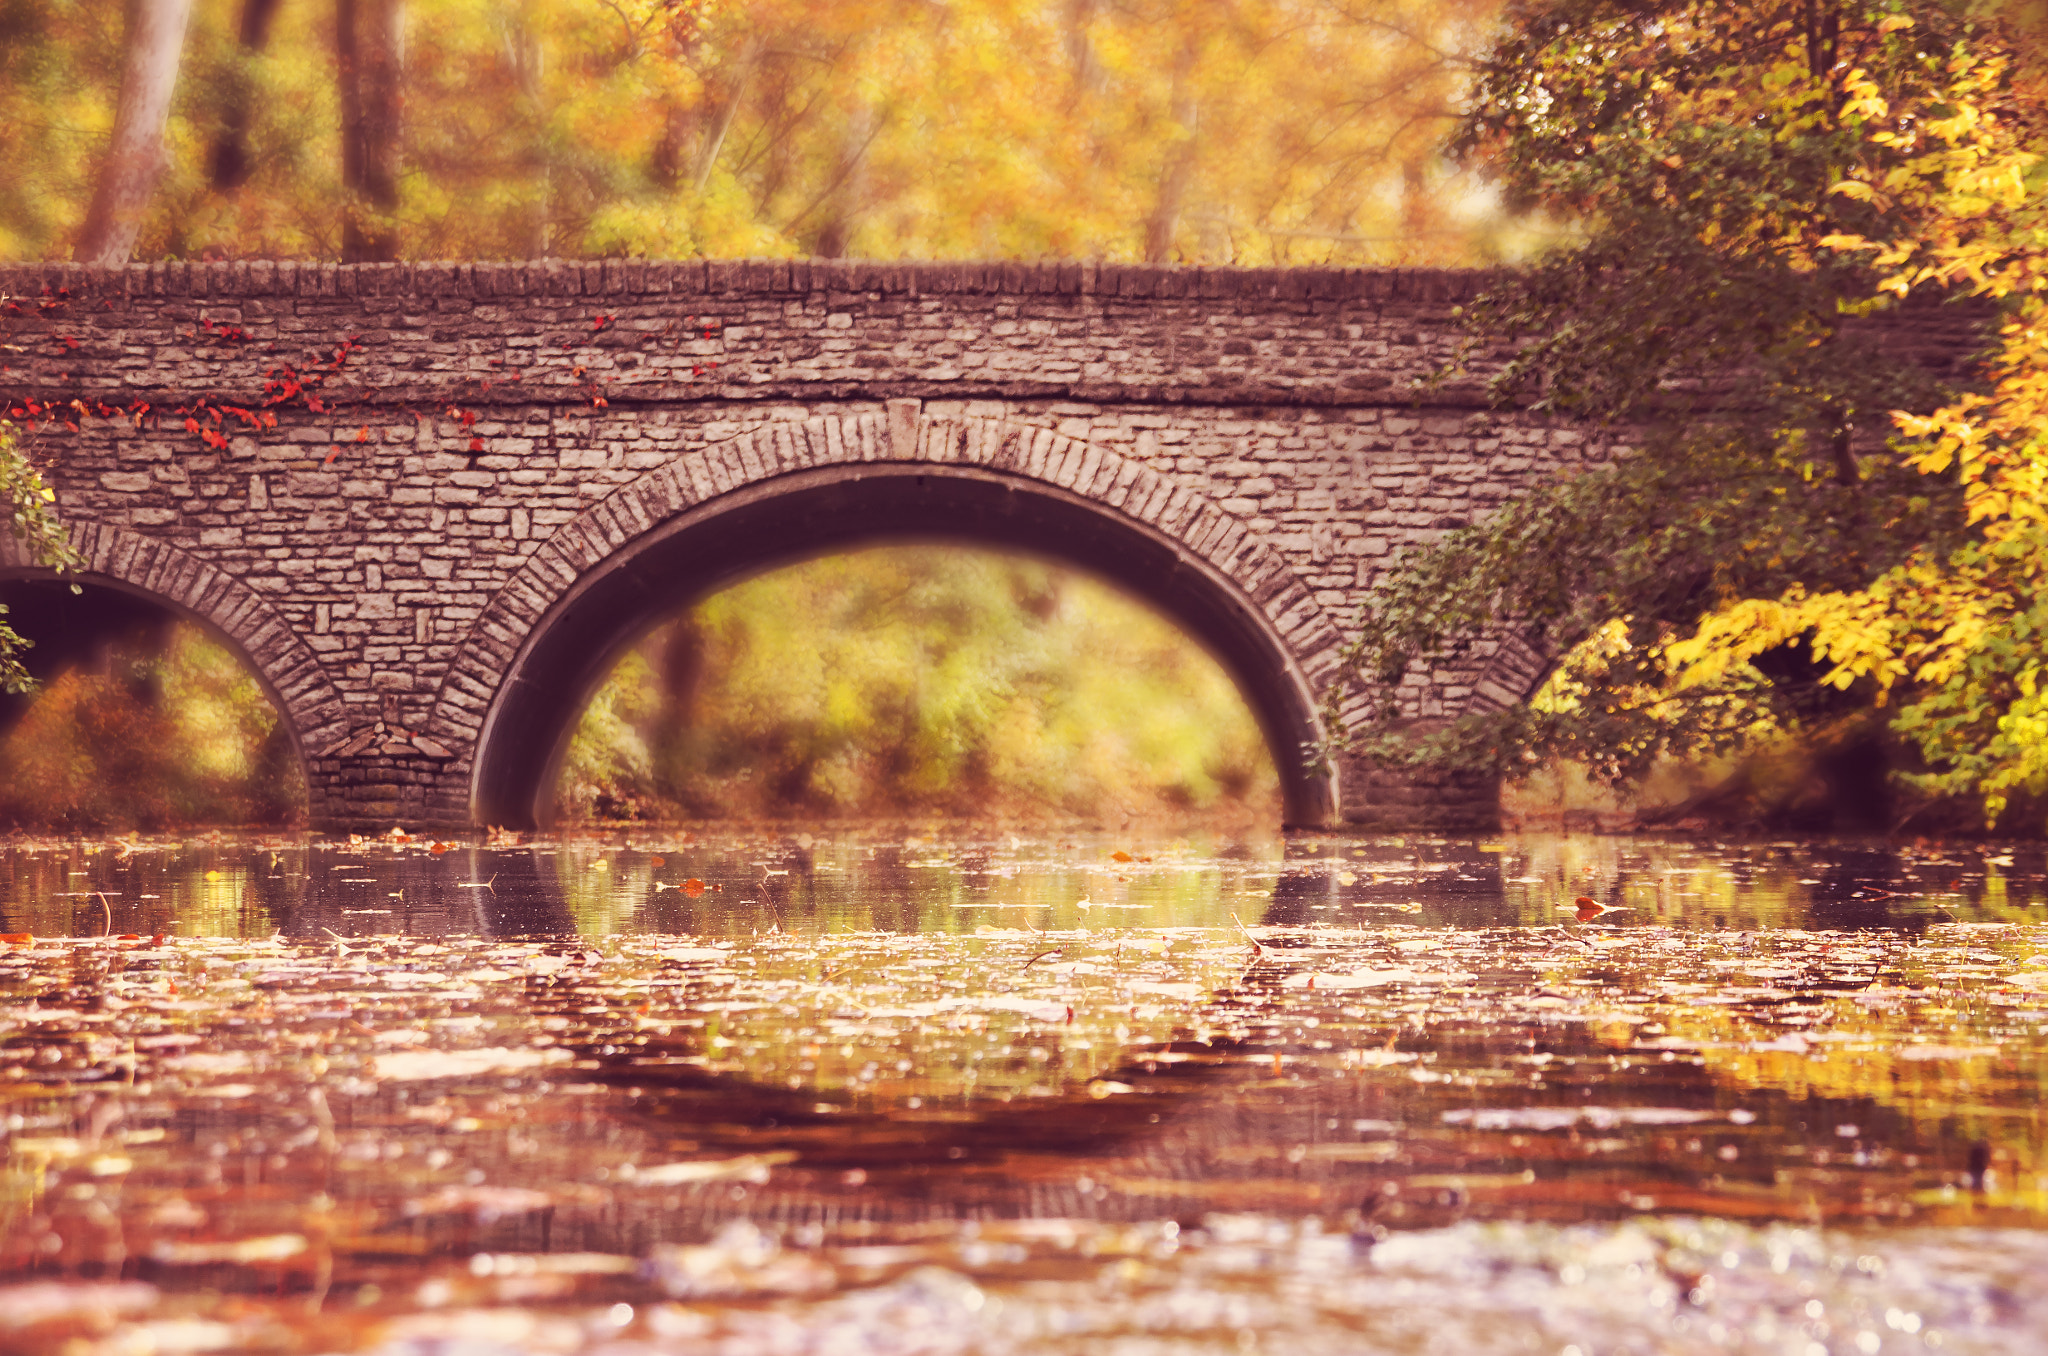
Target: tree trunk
[
  {"x": 370, "y": 44},
  {"x": 135, "y": 159},
  {"x": 229, "y": 163},
  {"x": 1179, "y": 175},
  {"x": 728, "y": 109},
  {"x": 847, "y": 198}
]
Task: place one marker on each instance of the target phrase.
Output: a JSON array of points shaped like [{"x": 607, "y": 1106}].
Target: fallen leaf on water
[
  {"x": 94, "y": 1304},
  {"x": 745, "y": 1168},
  {"x": 213, "y": 1062},
  {"x": 693, "y": 887},
  {"x": 740, "y": 1260},
  {"x": 1120, "y": 856},
  {"x": 1357, "y": 979},
  {"x": 1587, "y": 909},
  {"x": 552, "y": 1264},
  {"x": 694, "y": 953},
  {"x": 238, "y": 1252},
  {"x": 18, "y": 938},
  {"x": 414, "y": 1065}
]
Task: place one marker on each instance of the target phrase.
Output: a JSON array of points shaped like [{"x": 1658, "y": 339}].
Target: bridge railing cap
[{"x": 238, "y": 278}]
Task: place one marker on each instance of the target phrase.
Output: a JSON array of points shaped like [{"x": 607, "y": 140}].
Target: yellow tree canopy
[{"x": 1217, "y": 131}]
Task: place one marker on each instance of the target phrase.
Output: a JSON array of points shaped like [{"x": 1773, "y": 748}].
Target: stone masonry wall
[{"x": 363, "y": 545}]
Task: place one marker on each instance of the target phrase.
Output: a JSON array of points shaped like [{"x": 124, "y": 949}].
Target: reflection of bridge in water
[
  {"x": 1479, "y": 1087},
  {"x": 432, "y": 558}
]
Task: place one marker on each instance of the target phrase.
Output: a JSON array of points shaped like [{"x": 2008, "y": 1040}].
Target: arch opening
[
  {"x": 915, "y": 680},
  {"x": 809, "y": 514},
  {"x": 146, "y": 715}
]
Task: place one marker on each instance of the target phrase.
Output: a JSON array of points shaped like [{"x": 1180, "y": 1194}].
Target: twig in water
[
  {"x": 1041, "y": 956},
  {"x": 1257, "y": 950},
  {"x": 108, "y": 909},
  {"x": 479, "y": 884}
]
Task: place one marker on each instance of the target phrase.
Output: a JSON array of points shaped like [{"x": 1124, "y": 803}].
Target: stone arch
[
  {"x": 1517, "y": 667},
  {"x": 827, "y": 484},
  {"x": 290, "y": 673}
]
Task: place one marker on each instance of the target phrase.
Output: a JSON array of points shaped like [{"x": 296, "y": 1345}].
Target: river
[{"x": 932, "y": 1090}]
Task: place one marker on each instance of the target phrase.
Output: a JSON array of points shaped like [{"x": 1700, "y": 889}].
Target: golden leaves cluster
[{"x": 1960, "y": 633}]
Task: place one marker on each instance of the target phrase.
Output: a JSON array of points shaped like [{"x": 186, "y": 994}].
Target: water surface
[{"x": 918, "y": 1091}]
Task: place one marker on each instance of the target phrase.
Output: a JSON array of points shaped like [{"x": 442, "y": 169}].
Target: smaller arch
[
  {"x": 796, "y": 490},
  {"x": 290, "y": 674},
  {"x": 1519, "y": 664}
]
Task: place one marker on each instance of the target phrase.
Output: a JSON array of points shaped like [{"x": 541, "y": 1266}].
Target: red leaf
[{"x": 1588, "y": 909}]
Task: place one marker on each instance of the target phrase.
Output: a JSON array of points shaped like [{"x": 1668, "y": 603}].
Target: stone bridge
[{"x": 431, "y": 504}]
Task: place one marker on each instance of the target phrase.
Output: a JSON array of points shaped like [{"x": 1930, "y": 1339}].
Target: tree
[
  {"x": 229, "y": 164},
  {"x": 27, "y": 506},
  {"x": 135, "y": 158},
  {"x": 1810, "y": 537},
  {"x": 369, "y": 46}
]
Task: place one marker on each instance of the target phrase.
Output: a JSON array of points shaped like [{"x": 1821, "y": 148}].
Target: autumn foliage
[{"x": 1247, "y": 131}]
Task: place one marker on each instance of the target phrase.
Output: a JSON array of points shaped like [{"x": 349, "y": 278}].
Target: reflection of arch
[
  {"x": 794, "y": 490},
  {"x": 287, "y": 668}
]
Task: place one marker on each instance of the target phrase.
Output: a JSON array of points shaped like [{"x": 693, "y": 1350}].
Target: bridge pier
[
  {"x": 377, "y": 791},
  {"x": 1388, "y": 800}
]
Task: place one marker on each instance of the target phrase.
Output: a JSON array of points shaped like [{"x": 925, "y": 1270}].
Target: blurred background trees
[
  {"x": 1221, "y": 131},
  {"x": 145, "y": 723},
  {"x": 914, "y": 680}
]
